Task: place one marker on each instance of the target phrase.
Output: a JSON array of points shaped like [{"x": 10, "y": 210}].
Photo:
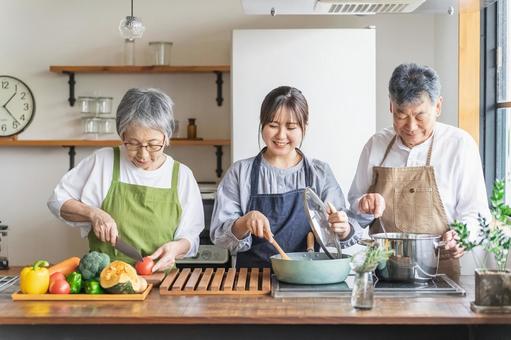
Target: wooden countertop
[{"x": 203, "y": 310}]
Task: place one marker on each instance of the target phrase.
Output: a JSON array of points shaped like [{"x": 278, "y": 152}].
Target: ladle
[{"x": 382, "y": 226}]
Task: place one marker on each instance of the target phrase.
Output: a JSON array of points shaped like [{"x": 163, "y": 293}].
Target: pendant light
[{"x": 131, "y": 27}]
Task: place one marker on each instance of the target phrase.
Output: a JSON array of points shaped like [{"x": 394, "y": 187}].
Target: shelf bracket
[
  {"x": 219, "y": 82},
  {"x": 219, "y": 153},
  {"x": 71, "y": 83},
  {"x": 71, "y": 154}
]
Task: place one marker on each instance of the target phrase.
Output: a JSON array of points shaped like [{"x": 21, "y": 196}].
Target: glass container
[
  {"x": 106, "y": 125},
  {"x": 87, "y": 105},
  {"x": 129, "y": 52},
  {"x": 104, "y": 105},
  {"x": 90, "y": 124},
  {"x": 160, "y": 52},
  {"x": 362, "y": 295},
  {"x": 191, "y": 129}
]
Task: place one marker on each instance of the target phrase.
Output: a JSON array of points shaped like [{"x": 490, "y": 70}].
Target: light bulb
[{"x": 131, "y": 27}]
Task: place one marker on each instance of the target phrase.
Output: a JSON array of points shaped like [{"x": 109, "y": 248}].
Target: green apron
[{"x": 146, "y": 217}]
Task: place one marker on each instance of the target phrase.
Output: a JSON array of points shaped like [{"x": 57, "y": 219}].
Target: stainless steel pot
[{"x": 415, "y": 256}]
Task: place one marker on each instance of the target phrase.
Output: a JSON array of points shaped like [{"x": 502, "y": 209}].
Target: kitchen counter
[{"x": 212, "y": 316}]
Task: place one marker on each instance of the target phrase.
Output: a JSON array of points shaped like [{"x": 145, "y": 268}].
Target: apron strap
[
  {"x": 388, "y": 149},
  {"x": 175, "y": 176},
  {"x": 117, "y": 167},
  {"x": 430, "y": 150},
  {"x": 256, "y": 165}
]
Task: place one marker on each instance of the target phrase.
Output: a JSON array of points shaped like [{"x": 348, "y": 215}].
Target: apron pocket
[{"x": 413, "y": 209}]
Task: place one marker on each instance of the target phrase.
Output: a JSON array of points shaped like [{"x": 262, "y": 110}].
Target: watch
[{"x": 17, "y": 106}]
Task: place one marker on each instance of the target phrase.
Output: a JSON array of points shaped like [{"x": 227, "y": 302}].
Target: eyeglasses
[{"x": 148, "y": 147}]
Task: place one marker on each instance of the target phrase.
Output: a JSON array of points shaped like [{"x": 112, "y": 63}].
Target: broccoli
[{"x": 92, "y": 264}]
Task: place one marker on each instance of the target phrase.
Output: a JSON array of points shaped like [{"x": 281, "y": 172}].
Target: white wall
[{"x": 36, "y": 34}]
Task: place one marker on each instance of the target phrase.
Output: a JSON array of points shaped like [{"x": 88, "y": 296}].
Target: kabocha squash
[{"x": 121, "y": 278}]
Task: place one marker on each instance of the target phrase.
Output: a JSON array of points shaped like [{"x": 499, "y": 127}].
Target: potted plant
[
  {"x": 363, "y": 264},
  {"x": 492, "y": 285}
]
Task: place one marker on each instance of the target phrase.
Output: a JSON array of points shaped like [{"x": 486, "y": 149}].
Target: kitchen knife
[{"x": 127, "y": 249}]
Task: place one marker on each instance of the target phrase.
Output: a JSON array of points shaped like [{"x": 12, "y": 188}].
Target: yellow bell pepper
[{"x": 35, "y": 279}]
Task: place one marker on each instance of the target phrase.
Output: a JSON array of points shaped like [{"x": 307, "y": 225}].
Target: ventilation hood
[{"x": 329, "y": 7}]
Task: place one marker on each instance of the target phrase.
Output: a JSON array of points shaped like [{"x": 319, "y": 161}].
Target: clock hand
[
  {"x": 7, "y": 102},
  {"x": 10, "y": 114}
]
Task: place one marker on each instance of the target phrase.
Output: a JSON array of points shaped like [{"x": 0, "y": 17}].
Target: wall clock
[{"x": 17, "y": 106}]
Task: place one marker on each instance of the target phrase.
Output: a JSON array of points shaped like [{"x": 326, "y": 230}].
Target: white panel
[{"x": 335, "y": 70}]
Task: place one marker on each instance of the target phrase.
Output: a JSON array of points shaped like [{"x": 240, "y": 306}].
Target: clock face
[{"x": 17, "y": 106}]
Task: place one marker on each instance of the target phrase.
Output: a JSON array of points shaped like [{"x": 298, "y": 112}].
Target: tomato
[
  {"x": 59, "y": 287},
  {"x": 145, "y": 266},
  {"x": 57, "y": 276}
]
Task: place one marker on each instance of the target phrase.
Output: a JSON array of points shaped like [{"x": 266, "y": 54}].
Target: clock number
[
  {"x": 4, "y": 127},
  {"x": 22, "y": 117},
  {"x": 14, "y": 125},
  {"x": 5, "y": 84},
  {"x": 25, "y": 106},
  {"x": 23, "y": 95}
]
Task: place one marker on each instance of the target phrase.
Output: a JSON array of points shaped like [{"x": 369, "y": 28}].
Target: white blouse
[
  {"x": 456, "y": 162},
  {"x": 90, "y": 181}
]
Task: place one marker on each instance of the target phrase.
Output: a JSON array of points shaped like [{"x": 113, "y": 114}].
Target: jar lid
[
  {"x": 82, "y": 98},
  {"x": 103, "y": 98},
  {"x": 317, "y": 215}
]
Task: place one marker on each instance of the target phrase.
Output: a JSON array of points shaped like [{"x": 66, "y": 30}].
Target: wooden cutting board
[
  {"x": 155, "y": 278},
  {"x": 18, "y": 296},
  {"x": 217, "y": 281}
]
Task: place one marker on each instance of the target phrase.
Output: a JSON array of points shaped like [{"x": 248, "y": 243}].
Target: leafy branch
[{"x": 368, "y": 259}]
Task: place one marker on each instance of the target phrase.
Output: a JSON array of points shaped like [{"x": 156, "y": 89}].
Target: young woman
[{"x": 262, "y": 197}]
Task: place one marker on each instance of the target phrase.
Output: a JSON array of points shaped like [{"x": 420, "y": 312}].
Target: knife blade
[{"x": 128, "y": 249}]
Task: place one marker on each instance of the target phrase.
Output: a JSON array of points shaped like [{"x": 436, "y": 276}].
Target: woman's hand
[
  {"x": 253, "y": 222},
  {"x": 452, "y": 248},
  {"x": 167, "y": 254},
  {"x": 372, "y": 204},
  {"x": 103, "y": 226},
  {"x": 338, "y": 221}
]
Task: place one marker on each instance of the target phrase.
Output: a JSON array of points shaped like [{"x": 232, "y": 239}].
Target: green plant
[
  {"x": 495, "y": 237},
  {"x": 369, "y": 258}
]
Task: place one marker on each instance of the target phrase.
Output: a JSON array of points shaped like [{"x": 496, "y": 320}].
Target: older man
[{"x": 420, "y": 175}]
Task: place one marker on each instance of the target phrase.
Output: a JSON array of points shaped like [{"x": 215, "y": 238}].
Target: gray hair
[
  {"x": 410, "y": 81},
  {"x": 150, "y": 108}
]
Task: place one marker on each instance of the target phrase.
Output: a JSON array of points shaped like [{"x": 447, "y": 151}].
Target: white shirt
[
  {"x": 90, "y": 181},
  {"x": 456, "y": 162}
]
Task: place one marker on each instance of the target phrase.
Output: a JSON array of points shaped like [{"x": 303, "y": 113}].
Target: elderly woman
[
  {"x": 420, "y": 175},
  {"x": 136, "y": 191}
]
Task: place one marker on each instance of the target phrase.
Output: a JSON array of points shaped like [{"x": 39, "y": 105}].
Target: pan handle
[{"x": 310, "y": 242}]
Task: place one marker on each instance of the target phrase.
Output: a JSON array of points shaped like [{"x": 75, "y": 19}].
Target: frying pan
[{"x": 310, "y": 267}]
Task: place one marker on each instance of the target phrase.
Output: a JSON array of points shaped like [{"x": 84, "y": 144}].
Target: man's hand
[{"x": 372, "y": 204}]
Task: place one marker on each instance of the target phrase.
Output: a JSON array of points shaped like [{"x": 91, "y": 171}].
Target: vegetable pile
[{"x": 92, "y": 274}]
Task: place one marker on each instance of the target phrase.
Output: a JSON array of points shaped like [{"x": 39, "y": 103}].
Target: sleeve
[
  {"x": 191, "y": 222},
  {"x": 71, "y": 186},
  {"x": 226, "y": 211},
  {"x": 330, "y": 191},
  {"x": 471, "y": 195},
  {"x": 360, "y": 185}
]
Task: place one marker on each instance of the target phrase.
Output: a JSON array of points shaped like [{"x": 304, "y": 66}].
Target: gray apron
[{"x": 412, "y": 203}]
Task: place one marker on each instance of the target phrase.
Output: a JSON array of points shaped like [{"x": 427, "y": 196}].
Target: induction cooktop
[{"x": 441, "y": 284}]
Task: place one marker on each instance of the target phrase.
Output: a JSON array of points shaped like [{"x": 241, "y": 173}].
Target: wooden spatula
[{"x": 281, "y": 252}]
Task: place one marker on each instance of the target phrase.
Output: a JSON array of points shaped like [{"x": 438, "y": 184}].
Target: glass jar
[
  {"x": 106, "y": 125},
  {"x": 90, "y": 124},
  {"x": 87, "y": 105},
  {"x": 362, "y": 295},
  {"x": 104, "y": 105},
  {"x": 160, "y": 52},
  {"x": 129, "y": 51}
]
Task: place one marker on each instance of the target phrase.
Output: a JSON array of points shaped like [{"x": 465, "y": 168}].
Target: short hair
[
  {"x": 150, "y": 108},
  {"x": 410, "y": 81},
  {"x": 286, "y": 97}
]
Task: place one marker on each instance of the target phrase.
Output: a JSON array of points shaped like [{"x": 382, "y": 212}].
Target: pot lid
[{"x": 317, "y": 216}]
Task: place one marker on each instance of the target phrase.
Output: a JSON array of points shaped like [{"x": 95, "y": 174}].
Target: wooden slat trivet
[{"x": 211, "y": 281}]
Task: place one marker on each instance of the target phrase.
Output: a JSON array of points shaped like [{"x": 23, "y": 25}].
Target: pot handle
[
  {"x": 366, "y": 242},
  {"x": 439, "y": 244}
]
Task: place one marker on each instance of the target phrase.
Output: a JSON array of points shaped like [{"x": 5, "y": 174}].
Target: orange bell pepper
[{"x": 35, "y": 279}]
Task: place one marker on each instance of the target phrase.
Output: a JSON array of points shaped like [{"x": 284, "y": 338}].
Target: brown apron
[{"x": 412, "y": 204}]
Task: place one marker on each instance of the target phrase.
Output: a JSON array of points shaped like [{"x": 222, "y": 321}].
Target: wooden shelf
[
  {"x": 117, "y": 69},
  {"x": 104, "y": 143},
  {"x": 140, "y": 69},
  {"x": 73, "y": 143}
]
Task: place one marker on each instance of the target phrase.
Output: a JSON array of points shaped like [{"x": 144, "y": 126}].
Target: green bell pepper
[
  {"x": 75, "y": 282},
  {"x": 93, "y": 287}
]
